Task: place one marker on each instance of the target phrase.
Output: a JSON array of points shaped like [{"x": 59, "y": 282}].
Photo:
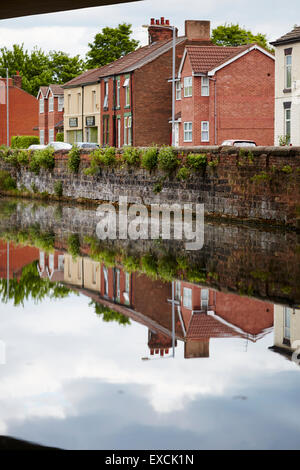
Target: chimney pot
[
  {"x": 168, "y": 22},
  {"x": 157, "y": 21},
  {"x": 152, "y": 21},
  {"x": 162, "y": 20}
]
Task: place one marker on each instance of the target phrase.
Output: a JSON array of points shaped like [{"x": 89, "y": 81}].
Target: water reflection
[{"x": 77, "y": 322}]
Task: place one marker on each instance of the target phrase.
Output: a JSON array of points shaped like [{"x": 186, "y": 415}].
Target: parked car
[
  {"x": 60, "y": 145},
  {"x": 36, "y": 147},
  {"x": 87, "y": 145},
  {"x": 239, "y": 143}
]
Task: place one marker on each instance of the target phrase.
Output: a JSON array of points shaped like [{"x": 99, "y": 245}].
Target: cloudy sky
[
  {"x": 74, "y": 381},
  {"x": 72, "y": 31}
]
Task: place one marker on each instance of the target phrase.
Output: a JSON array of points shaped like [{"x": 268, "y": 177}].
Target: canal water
[{"x": 142, "y": 345}]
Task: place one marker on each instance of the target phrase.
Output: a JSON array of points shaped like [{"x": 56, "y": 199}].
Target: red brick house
[
  {"x": 225, "y": 93},
  {"x": 135, "y": 97},
  {"x": 19, "y": 257},
  {"x": 207, "y": 313},
  {"x": 51, "y": 112},
  {"x": 23, "y": 110}
]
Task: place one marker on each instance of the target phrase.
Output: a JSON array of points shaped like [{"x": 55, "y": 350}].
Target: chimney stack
[
  {"x": 160, "y": 30},
  {"x": 196, "y": 30},
  {"x": 17, "y": 80}
]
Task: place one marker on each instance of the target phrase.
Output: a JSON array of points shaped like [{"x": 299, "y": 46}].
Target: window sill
[
  {"x": 127, "y": 107},
  {"x": 287, "y": 90}
]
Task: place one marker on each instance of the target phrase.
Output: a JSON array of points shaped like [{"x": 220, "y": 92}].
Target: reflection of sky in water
[{"x": 74, "y": 381}]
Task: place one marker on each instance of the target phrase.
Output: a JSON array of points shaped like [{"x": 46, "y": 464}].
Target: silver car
[
  {"x": 60, "y": 145},
  {"x": 239, "y": 143}
]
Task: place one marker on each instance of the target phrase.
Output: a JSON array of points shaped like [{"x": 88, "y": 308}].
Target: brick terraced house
[
  {"x": 225, "y": 93},
  {"x": 23, "y": 110},
  {"x": 51, "y": 112},
  {"x": 135, "y": 99}
]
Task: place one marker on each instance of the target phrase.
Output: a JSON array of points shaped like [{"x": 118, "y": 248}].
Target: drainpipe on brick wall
[
  {"x": 215, "y": 109},
  {"x": 82, "y": 112},
  {"x": 131, "y": 106}
]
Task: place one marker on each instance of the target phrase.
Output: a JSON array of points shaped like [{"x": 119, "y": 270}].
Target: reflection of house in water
[
  {"x": 286, "y": 330},
  {"x": 19, "y": 257},
  {"x": 207, "y": 313},
  {"x": 200, "y": 313},
  {"x": 51, "y": 265}
]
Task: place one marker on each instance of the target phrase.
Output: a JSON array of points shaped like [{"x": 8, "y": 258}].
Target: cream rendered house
[
  {"x": 82, "y": 109},
  {"x": 287, "y": 88},
  {"x": 286, "y": 329},
  {"x": 82, "y": 272}
]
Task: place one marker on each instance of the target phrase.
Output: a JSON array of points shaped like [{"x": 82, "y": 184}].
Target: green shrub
[
  {"x": 42, "y": 159},
  {"x": 167, "y": 268},
  {"x": 183, "y": 174},
  {"x": 34, "y": 188},
  {"x": 23, "y": 157},
  {"x": 58, "y": 188},
  {"x": 24, "y": 141},
  {"x": 131, "y": 264},
  {"x": 213, "y": 163},
  {"x": 149, "y": 265},
  {"x": 196, "y": 161},
  {"x": 74, "y": 159},
  {"x": 157, "y": 188},
  {"x": 167, "y": 159},
  {"x": 101, "y": 158},
  {"x": 60, "y": 137},
  {"x": 287, "y": 169},
  {"x": 7, "y": 182},
  {"x": 12, "y": 158},
  {"x": 74, "y": 245},
  {"x": 260, "y": 177},
  {"x": 132, "y": 156},
  {"x": 4, "y": 151},
  {"x": 149, "y": 158}
]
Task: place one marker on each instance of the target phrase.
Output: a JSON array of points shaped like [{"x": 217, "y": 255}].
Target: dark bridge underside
[{"x": 37, "y": 7}]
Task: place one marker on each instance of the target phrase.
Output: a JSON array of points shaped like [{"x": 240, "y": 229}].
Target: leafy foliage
[
  {"x": 110, "y": 45},
  {"x": 149, "y": 158},
  {"x": 24, "y": 141},
  {"x": 38, "y": 68},
  {"x": 7, "y": 182},
  {"x": 42, "y": 159},
  {"x": 234, "y": 35},
  {"x": 167, "y": 159},
  {"x": 196, "y": 161},
  {"x": 60, "y": 137},
  {"x": 58, "y": 188},
  {"x": 183, "y": 173},
  {"x": 31, "y": 285},
  {"x": 101, "y": 158},
  {"x": 132, "y": 156},
  {"x": 109, "y": 315},
  {"x": 74, "y": 159}
]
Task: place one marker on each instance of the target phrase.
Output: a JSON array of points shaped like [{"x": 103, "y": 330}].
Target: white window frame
[
  {"x": 287, "y": 123},
  {"x": 42, "y": 105},
  {"x": 51, "y": 135},
  {"x": 125, "y": 130},
  {"x": 61, "y": 103},
  {"x": 105, "y": 102},
  {"x": 188, "y": 131},
  {"x": 118, "y": 92},
  {"x": 204, "y": 86},
  {"x": 42, "y": 136},
  {"x": 288, "y": 71},
  {"x": 204, "y": 299},
  {"x": 178, "y": 90},
  {"x": 188, "y": 87},
  {"x": 129, "y": 120},
  {"x": 126, "y": 86},
  {"x": 51, "y": 104},
  {"x": 187, "y": 298},
  {"x": 287, "y": 323},
  {"x": 204, "y": 131}
]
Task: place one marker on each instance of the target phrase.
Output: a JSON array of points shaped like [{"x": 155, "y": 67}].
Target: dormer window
[
  {"x": 127, "y": 91},
  {"x": 188, "y": 86},
  {"x": 204, "y": 86},
  {"x": 60, "y": 103},
  {"x": 105, "y": 102}
]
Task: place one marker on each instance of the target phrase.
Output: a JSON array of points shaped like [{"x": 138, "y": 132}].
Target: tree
[
  {"x": 38, "y": 68},
  {"x": 234, "y": 35},
  {"x": 110, "y": 45}
]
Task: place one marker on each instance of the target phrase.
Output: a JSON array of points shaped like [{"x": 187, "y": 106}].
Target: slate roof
[
  {"x": 292, "y": 36},
  {"x": 205, "y": 58},
  {"x": 126, "y": 64}
]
